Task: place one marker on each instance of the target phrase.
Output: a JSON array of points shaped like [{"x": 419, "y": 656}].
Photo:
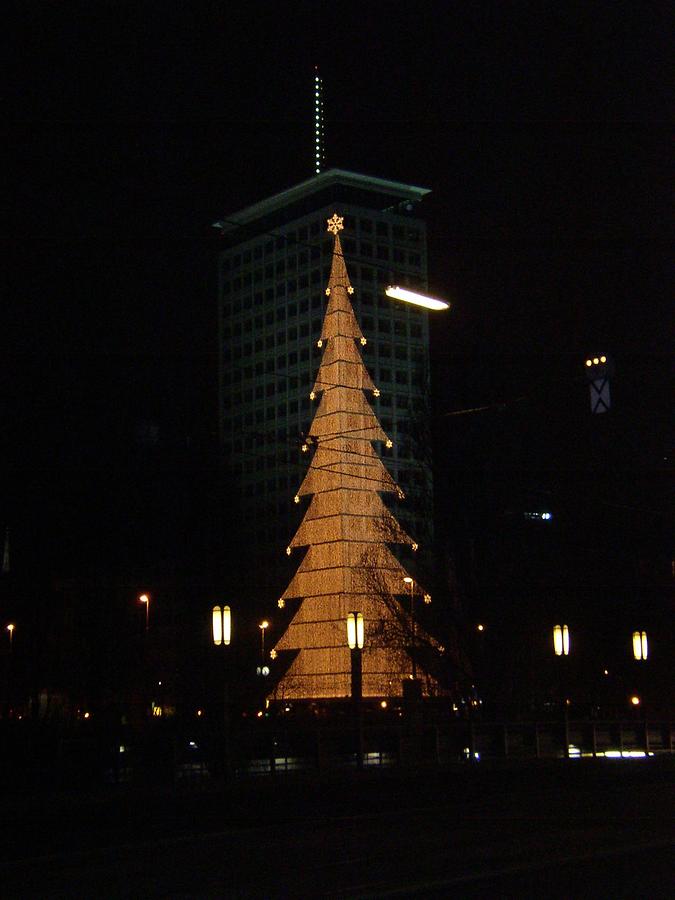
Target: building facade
[{"x": 273, "y": 270}]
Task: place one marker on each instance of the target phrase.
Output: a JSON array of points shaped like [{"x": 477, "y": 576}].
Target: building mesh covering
[{"x": 344, "y": 537}]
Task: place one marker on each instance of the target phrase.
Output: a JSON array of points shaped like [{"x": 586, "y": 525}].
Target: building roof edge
[{"x": 316, "y": 183}]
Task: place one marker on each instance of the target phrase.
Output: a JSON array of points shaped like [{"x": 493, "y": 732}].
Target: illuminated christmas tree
[{"x": 348, "y": 565}]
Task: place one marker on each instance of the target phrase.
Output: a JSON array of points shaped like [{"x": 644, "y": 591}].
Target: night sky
[{"x": 543, "y": 131}]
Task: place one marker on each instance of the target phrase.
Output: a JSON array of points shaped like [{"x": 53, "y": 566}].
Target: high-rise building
[{"x": 273, "y": 271}]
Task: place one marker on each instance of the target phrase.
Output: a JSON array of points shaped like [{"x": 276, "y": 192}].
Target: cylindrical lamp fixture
[
  {"x": 355, "y": 630},
  {"x": 640, "y": 645},
  {"x": 222, "y": 625},
  {"x": 561, "y": 640}
]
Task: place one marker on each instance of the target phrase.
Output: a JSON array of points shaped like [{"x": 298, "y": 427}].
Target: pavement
[{"x": 570, "y": 828}]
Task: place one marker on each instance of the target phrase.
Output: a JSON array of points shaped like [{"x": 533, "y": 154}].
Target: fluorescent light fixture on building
[{"x": 399, "y": 293}]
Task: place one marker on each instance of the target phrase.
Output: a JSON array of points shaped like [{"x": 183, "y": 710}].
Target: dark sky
[{"x": 542, "y": 129}]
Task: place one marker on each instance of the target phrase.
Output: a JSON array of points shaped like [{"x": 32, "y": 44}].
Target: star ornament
[{"x": 335, "y": 224}]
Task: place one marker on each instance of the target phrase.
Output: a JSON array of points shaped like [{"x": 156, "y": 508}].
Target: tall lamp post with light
[
  {"x": 355, "y": 640},
  {"x": 145, "y": 599},
  {"x": 407, "y": 580},
  {"x": 264, "y": 625},
  {"x": 221, "y": 628},
  {"x": 561, "y": 648}
]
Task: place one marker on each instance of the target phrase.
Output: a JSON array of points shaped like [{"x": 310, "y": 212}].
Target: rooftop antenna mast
[{"x": 318, "y": 122}]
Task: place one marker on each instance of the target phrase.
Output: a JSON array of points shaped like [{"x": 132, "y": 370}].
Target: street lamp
[
  {"x": 10, "y": 629},
  {"x": 221, "y": 626},
  {"x": 145, "y": 598},
  {"x": 264, "y": 625},
  {"x": 355, "y": 639},
  {"x": 561, "y": 640},
  {"x": 221, "y": 622},
  {"x": 640, "y": 645},
  {"x": 561, "y": 647},
  {"x": 355, "y": 630}
]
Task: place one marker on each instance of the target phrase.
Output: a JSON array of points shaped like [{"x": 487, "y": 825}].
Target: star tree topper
[{"x": 335, "y": 224}]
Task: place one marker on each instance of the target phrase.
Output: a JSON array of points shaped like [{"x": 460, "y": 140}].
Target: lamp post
[
  {"x": 355, "y": 640},
  {"x": 221, "y": 626},
  {"x": 10, "y": 629},
  {"x": 264, "y": 625},
  {"x": 145, "y": 599},
  {"x": 561, "y": 647},
  {"x": 413, "y": 636},
  {"x": 411, "y": 584}
]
